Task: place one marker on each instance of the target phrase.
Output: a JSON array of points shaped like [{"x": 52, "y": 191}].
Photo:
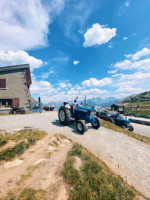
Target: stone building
[
  {"x": 15, "y": 84},
  {"x": 118, "y": 107}
]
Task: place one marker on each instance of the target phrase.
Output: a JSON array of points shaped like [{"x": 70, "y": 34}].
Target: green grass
[
  {"x": 2, "y": 142},
  {"x": 124, "y": 131},
  {"x": 26, "y": 133},
  {"x": 141, "y": 113},
  {"x": 27, "y": 137},
  {"x": 95, "y": 180},
  {"x": 26, "y": 194}
]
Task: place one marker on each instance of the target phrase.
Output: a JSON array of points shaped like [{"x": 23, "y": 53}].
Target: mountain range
[{"x": 97, "y": 101}]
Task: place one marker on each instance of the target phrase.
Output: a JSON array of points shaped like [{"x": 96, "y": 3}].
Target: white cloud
[
  {"x": 112, "y": 71},
  {"x": 47, "y": 74},
  {"x": 131, "y": 82},
  {"x": 75, "y": 62},
  {"x": 76, "y": 16},
  {"x": 125, "y": 38},
  {"x": 144, "y": 52},
  {"x": 93, "y": 82},
  {"x": 136, "y": 76},
  {"x": 128, "y": 64},
  {"x": 25, "y": 24},
  {"x": 19, "y": 57},
  {"x": 128, "y": 89},
  {"x": 94, "y": 91},
  {"x": 125, "y": 91},
  {"x": 116, "y": 75},
  {"x": 41, "y": 87},
  {"x": 127, "y": 3},
  {"x": 98, "y": 35},
  {"x": 65, "y": 85},
  {"x": 73, "y": 91}
]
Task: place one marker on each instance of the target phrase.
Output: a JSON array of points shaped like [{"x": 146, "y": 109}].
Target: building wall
[{"x": 16, "y": 87}]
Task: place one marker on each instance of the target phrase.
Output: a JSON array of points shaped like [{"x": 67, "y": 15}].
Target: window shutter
[{"x": 2, "y": 83}]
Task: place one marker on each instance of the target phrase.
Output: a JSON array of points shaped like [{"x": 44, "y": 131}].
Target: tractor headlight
[{"x": 93, "y": 113}]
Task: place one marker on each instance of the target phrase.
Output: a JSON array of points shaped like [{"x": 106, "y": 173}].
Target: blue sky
[{"x": 92, "y": 48}]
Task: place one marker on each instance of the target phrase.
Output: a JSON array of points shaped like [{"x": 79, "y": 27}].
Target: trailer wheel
[
  {"x": 64, "y": 115},
  {"x": 81, "y": 126},
  {"x": 96, "y": 124}
]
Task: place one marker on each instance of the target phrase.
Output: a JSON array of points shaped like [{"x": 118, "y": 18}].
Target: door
[{"x": 16, "y": 102}]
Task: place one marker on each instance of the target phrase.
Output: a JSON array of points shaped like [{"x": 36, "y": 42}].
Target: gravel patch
[{"x": 126, "y": 156}]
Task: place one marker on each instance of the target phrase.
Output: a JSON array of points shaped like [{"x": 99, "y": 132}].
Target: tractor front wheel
[
  {"x": 96, "y": 124},
  {"x": 64, "y": 115},
  {"x": 81, "y": 126},
  {"x": 131, "y": 128}
]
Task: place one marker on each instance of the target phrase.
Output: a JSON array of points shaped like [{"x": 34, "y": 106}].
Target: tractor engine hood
[
  {"x": 85, "y": 108},
  {"x": 125, "y": 120}
]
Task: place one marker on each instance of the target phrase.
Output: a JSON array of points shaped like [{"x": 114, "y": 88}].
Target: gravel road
[
  {"x": 126, "y": 156},
  {"x": 141, "y": 129}
]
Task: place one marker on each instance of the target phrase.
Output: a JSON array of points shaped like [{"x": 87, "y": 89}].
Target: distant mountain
[
  {"x": 139, "y": 98},
  {"x": 97, "y": 101}
]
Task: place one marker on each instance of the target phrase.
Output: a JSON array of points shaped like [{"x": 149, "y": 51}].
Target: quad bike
[
  {"x": 17, "y": 110},
  {"x": 81, "y": 115}
]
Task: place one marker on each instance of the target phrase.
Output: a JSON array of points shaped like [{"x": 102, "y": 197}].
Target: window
[
  {"x": 5, "y": 103},
  {"x": 2, "y": 83},
  {"x": 120, "y": 108}
]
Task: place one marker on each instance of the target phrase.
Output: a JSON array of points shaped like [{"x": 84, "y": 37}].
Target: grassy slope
[
  {"x": 94, "y": 180},
  {"x": 124, "y": 131},
  {"x": 26, "y": 138}
]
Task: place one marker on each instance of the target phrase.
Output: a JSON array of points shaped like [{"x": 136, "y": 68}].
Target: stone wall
[{"x": 16, "y": 87}]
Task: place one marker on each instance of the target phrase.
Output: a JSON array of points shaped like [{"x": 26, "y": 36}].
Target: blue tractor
[
  {"x": 82, "y": 116},
  {"x": 115, "y": 118}
]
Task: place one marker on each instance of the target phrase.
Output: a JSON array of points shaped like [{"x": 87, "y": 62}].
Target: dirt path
[
  {"x": 126, "y": 156},
  {"x": 40, "y": 168}
]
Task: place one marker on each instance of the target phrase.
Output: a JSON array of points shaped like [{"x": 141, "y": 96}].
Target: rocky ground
[
  {"x": 126, "y": 156},
  {"x": 38, "y": 168}
]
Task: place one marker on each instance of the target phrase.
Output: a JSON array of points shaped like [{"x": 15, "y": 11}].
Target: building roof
[
  {"x": 9, "y": 68},
  {"x": 17, "y": 67},
  {"x": 119, "y": 105}
]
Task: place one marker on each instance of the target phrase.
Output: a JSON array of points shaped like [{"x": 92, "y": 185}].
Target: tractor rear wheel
[
  {"x": 96, "y": 124},
  {"x": 109, "y": 119},
  {"x": 81, "y": 126},
  {"x": 64, "y": 115}
]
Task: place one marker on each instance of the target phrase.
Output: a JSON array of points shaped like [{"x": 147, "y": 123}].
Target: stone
[
  {"x": 67, "y": 141},
  {"x": 51, "y": 148},
  {"x": 13, "y": 163},
  {"x": 55, "y": 164},
  {"x": 52, "y": 139},
  {"x": 39, "y": 161},
  {"x": 62, "y": 145},
  {"x": 31, "y": 150},
  {"x": 77, "y": 163}
]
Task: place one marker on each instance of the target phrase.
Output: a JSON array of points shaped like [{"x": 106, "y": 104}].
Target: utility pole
[{"x": 85, "y": 102}]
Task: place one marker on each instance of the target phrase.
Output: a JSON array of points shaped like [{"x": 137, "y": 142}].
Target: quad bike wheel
[
  {"x": 64, "y": 115},
  {"x": 23, "y": 112},
  {"x": 96, "y": 124},
  {"x": 11, "y": 112},
  {"x": 81, "y": 126},
  {"x": 131, "y": 128}
]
